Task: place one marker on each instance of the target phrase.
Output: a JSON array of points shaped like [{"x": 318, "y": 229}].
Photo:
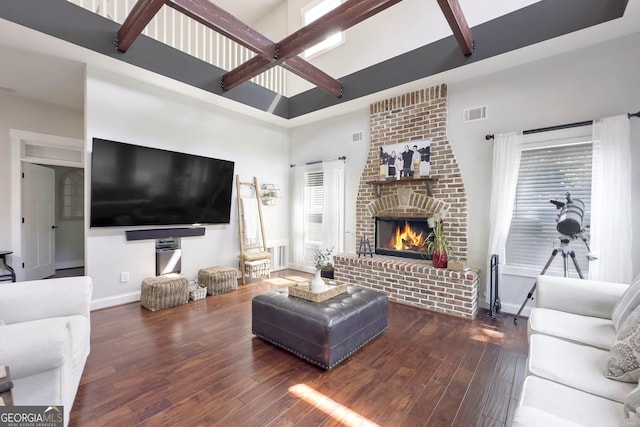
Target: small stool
[
  {"x": 258, "y": 268},
  {"x": 164, "y": 292},
  {"x": 218, "y": 280}
]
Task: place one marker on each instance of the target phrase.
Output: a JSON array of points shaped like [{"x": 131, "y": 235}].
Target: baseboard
[
  {"x": 107, "y": 302},
  {"x": 77, "y": 263},
  {"x": 513, "y": 309}
]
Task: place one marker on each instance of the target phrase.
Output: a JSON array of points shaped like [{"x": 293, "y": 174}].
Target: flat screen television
[{"x": 139, "y": 186}]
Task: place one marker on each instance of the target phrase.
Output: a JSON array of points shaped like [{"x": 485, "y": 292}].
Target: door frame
[{"x": 20, "y": 141}]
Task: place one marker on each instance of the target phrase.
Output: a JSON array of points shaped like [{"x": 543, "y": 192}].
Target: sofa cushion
[
  {"x": 44, "y": 349},
  {"x": 632, "y": 408},
  {"x": 624, "y": 356},
  {"x": 626, "y": 304},
  {"x": 527, "y": 416},
  {"x": 593, "y": 331},
  {"x": 80, "y": 332},
  {"x": 579, "y": 366},
  {"x": 559, "y": 402}
]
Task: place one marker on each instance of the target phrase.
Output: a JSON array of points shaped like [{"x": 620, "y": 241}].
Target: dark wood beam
[
  {"x": 341, "y": 18},
  {"x": 140, "y": 16},
  {"x": 458, "y": 23},
  {"x": 223, "y": 22},
  {"x": 310, "y": 73}
]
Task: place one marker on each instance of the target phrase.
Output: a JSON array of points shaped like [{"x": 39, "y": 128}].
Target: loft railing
[{"x": 181, "y": 32}]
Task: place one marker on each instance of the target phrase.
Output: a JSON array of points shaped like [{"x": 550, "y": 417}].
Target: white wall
[
  {"x": 389, "y": 33},
  {"x": 274, "y": 24},
  {"x": 589, "y": 83},
  {"x": 134, "y": 112},
  {"x": 22, "y": 114},
  {"x": 330, "y": 139}
]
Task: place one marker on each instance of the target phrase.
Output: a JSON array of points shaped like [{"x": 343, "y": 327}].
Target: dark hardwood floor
[{"x": 199, "y": 365}]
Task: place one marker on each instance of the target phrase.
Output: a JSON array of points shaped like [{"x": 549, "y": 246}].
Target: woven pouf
[
  {"x": 164, "y": 292},
  {"x": 218, "y": 280}
]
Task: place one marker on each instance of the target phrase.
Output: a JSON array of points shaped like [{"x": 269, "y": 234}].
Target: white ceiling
[
  {"x": 49, "y": 70},
  {"x": 248, "y": 12}
]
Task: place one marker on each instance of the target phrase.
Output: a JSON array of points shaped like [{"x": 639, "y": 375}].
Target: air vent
[
  {"x": 357, "y": 137},
  {"x": 475, "y": 114}
]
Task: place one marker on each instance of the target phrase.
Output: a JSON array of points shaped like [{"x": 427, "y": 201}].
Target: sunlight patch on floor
[
  {"x": 298, "y": 279},
  {"x": 279, "y": 281},
  {"x": 485, "y": 335},
  {"x": 330, "y": 407}
]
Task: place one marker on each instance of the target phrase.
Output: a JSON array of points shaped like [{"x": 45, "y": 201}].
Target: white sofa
[
  {"x": 44, "y": 338},
  {"x": 570, "y": 334}
]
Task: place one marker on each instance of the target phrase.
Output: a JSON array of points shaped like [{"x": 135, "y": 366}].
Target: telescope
[{"x": 569, "y": 221}]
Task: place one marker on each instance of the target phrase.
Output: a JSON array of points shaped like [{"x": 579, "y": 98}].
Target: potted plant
[
  {"x": 437, "y": 243},
  {"x": 321, "y": 259}
]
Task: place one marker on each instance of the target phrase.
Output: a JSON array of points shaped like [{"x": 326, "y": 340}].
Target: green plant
[
  {"x": 322, "y": 257},
  {"x": 436, "y": 240}
]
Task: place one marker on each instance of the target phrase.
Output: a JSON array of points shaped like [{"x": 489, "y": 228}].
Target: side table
[
  {"x": 5, "y": 387},
  {"x": 12, "y": 274}
]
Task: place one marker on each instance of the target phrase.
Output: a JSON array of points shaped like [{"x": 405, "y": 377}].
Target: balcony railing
[{"x": 181, "y": 32}]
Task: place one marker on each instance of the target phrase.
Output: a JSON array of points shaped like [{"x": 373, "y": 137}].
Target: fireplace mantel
[{"x": 428, "y": 180}]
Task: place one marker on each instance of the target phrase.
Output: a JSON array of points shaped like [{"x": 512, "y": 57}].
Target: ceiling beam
[
  {"x": 341, "y": 18},
  {"x": 458, "y": 23},
  {"x": 139, "y": 17},
  {"x": 223, "y": 22}
]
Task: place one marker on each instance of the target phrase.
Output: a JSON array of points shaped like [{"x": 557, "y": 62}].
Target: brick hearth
[
  {"x": 414, "y": 116},
  {"x": 412, "y": 282}
]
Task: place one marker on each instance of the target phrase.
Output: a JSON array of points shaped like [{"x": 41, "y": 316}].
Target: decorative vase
[
  {"x": 317, "y": 284},
  {"x": 439, "y": 259}
]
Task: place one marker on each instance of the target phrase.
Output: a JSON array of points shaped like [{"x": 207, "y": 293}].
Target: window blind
[
  {"x": 314, "y": 203},
  {"x": 548, "y": 174}
]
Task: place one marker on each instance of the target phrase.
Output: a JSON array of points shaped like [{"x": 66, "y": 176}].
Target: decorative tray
[{"x": 303, "y": 290}]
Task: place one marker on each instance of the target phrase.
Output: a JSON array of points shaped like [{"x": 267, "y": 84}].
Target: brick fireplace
[{"x": 419, "y": 115}]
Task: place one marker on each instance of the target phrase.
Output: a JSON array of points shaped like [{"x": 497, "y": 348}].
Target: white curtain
[
  {"x": 333, "y": 209},
  {"x": 507, "y": 149},
  {"x": 610, "y": 236},
  {"x": 297, "y": 215}
]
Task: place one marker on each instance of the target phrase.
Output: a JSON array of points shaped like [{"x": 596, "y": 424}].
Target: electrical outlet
[{"x": 124, "y": 277}]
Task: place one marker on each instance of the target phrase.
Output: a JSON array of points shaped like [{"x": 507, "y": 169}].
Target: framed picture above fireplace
[{"x": 405, "y": 160}]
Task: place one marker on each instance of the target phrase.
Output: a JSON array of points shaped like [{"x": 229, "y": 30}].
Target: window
[
  {"x": 548, "y": 170},
  {"x": 72, "y": 194},
  {"x": 318, "y": 210},
  {"x": 314, "y": 207},
  {"x": 311, "y": 13}
]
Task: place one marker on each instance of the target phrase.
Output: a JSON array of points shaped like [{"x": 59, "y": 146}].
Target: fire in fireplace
[{"x": 403, "y": 237}]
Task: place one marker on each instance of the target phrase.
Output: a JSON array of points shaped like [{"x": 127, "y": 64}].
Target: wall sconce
[{"x": 270, "y": 194}]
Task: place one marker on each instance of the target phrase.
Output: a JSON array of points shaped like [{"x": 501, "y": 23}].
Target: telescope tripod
[{"x": 564, "y": 249}]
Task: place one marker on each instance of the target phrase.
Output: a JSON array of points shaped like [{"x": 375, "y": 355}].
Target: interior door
[{"x": 38, "y": 228}]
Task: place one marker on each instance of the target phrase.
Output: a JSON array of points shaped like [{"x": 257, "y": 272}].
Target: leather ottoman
[{"x": 323, "y": 333}]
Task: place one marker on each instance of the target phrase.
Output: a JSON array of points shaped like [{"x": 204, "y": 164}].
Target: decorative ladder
[{"x": 253, "y": 252}]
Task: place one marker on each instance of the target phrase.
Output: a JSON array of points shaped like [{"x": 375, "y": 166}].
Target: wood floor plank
[{"x": 198, "y": 364}]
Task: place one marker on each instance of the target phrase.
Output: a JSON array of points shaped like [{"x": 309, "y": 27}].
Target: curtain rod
[
  {"x": 558, "y": 127},
  {"x": 318, "y": 161}
]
